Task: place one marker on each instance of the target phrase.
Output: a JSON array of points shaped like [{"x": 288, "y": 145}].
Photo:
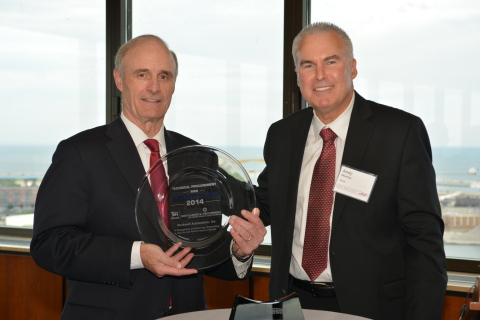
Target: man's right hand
[{"x": 166, "y": 263}]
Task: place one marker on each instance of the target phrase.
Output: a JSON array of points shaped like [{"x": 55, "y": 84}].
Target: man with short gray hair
[
  {"x": 84, "y": 223},
  {"x": 349, "y": 191}
]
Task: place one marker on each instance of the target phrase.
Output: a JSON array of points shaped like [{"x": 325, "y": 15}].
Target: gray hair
[
  {"x": 127, "y": 46},
  {"x": 321, "y": 28}
]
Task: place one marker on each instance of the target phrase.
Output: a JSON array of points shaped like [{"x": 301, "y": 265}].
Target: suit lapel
[
  {"x": 295, "y": 144},
  {"x": 125, "y": 154},
  {"x": 359, "y": 132},
  {"x": 171, "y": 143}
]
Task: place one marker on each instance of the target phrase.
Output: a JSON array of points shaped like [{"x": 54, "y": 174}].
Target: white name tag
[{"x": 355, "y": 183}]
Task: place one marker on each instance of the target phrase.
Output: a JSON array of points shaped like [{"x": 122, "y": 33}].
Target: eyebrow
[
  {"x": 137, "y": 71},
  {"x": 305, "y": 62},
  {"x": 332, "y": 57},
  {"x": 168, "y": 73}
]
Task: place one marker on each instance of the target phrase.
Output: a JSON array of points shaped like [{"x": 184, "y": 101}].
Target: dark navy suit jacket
[
  {"x": 386, "y": 256},
  {"x": 84, "y": 227}
]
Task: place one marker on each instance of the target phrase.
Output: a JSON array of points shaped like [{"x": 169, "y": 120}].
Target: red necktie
[
  {"x": 158, "y": 180},
  {"x": 317, "y": 231}
]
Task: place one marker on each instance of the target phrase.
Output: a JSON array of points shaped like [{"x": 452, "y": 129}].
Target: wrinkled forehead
[{"x": 151, "y": 55}]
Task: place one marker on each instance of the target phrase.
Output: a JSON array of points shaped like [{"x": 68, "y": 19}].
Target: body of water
[
  {"x": 25, "y": 160},
  {"x": 449, "y": 163}
]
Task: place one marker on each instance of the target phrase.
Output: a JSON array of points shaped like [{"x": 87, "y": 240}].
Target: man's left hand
[{"x": 248, "y": 234}]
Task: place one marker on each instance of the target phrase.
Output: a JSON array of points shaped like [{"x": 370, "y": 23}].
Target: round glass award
[{"x": 188, "y": 196}]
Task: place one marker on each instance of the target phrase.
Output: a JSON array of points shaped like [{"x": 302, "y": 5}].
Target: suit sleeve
[
  {"x": 420, "y": 216},
  {"x": 261, "y": 191},
  {"x": 63, "y": 241}
]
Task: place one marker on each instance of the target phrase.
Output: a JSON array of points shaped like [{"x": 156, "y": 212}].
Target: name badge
[{"x": 355, "y": 183}]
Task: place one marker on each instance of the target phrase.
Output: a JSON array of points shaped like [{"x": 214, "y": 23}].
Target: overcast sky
[{"x": 421, "y": 56}]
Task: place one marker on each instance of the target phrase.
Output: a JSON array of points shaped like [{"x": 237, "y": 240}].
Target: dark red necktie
[
  {"x": 317, "y": 231},
  {"x": 159, "y": 182},
  {"x": 158, "y": 179}
]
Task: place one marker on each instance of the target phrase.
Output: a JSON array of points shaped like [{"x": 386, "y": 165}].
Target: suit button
[{"x": 104, "y": 282}]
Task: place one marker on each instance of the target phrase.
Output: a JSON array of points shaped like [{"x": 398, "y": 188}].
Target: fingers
[
  {"x": 166, "y": 263},
  {"x": 182, "y": 254},
  {"x": 248, "y": 234},
  {"x": 168, "y": 256},
  {"x": 254, "y": 218},
  {"x": 183, "y": 258},
  {"x": 187, "y": 260},
  {"x": 242, "y": 247},
  {"x": 251, "y": 227},
  {"x": 173, "y": 249},
  {"x": 179, "y": 271}
]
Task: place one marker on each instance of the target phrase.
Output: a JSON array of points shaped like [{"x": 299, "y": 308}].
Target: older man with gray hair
[{"x": 84, "y": 222}]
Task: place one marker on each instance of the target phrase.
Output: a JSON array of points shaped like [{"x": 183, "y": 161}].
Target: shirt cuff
[
  {"x": 136, "y": 259},
  {"x": 241, "y": 267}
]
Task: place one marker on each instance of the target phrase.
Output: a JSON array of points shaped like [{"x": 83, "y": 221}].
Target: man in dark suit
[
  {"x": 383, "y": 254},
  {"x": 84, "y": 226}
]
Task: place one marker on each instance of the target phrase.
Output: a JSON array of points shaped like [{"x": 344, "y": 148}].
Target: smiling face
[
  {"x": 147, "y": 84},
  {"x": 325, "y": 74}
]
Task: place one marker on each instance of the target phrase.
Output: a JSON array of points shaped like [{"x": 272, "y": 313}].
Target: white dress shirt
[
  {"x": 313, "y": 149},
  {"x": 139, "y": 137}
]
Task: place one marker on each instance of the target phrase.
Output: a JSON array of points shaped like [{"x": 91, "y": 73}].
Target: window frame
[{"x": 296, "y": 15}]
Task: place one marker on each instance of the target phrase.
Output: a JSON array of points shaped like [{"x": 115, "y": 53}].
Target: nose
[
  {"x": 153, "y": 86},
  {"x": 320, "y": 73}
]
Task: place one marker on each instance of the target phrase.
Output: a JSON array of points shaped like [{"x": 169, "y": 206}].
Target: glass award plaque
[{"x": 193, "y": 204}]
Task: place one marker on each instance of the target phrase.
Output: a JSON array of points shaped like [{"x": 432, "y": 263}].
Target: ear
[
  {"x": 118, "y": 79},
  {"x": 353, "y": 65},
  {"x": 298, "y": 77}
]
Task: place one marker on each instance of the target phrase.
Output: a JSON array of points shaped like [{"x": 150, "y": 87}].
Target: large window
[
  {"x": 417, "y": 56},
  {"x": 422, "y": 57},
  {"x": 52, "y": 85},
  {"x": 229, "y": 88}
]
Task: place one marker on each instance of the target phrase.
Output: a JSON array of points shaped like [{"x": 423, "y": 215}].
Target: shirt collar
[
  {"x": 339, "y": 125},
  {"x": 138, "y": 135}
]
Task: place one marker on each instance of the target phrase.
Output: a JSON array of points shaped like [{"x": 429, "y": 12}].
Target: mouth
[
  {"x": 323, "y": 88},
  {"x": 151, "y": 100}
]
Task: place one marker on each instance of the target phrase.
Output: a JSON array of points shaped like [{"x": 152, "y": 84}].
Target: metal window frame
[{"x": 296, "y": 15}]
